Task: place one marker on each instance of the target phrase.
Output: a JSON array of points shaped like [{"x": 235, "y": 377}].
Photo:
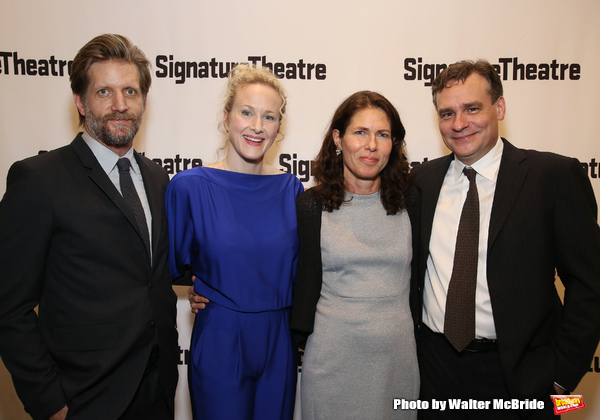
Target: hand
[
  {"x": 196, "y": 301},
  {"x": 61, "y": 415}
]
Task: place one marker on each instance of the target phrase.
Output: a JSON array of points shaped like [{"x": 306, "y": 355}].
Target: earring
[{"x": 338, "y": 152}]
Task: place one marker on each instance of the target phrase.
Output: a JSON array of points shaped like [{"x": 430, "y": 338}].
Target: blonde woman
[{"x": 233, "y": 225}]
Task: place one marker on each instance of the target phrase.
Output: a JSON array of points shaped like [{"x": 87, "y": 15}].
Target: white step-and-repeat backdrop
[{"x": 547, "y": 52}]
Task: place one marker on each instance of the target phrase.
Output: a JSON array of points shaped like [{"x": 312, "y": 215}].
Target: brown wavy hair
[
  {"x": 104, "y": 48},
  {"x": 328, "y": 169}
]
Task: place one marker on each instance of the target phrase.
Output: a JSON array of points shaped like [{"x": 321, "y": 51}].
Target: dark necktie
[
  {"x": 133, "y": 200},
  {"x": 459, "y": 322}
]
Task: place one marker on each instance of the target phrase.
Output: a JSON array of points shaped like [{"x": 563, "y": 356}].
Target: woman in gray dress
[{"x": 351, "y": 303}]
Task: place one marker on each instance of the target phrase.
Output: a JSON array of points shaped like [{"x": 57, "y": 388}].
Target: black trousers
[
  {"x": 449, "y": 375},
  {"x": 150, "y": 401}
]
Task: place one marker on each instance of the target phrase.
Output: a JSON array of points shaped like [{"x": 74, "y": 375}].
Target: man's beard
[{"x": 120, "y": 135}]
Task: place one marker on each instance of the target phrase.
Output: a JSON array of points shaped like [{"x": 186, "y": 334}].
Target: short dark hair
[
  {"x": 104, "y": 48},
  {"x": 458, "y": 72},
  {"x": 328, "y": 168}
]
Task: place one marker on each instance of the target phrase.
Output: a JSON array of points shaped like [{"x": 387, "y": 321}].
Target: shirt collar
[
  {"x": 487, "y": 166},
  {"x": 106, "y": 157}
]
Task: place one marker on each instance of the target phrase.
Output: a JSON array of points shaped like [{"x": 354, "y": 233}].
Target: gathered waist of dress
[{"x": 243, "y": 300}]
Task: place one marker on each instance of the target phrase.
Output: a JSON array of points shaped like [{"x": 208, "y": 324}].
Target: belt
[{"x": 482, "y": 345}]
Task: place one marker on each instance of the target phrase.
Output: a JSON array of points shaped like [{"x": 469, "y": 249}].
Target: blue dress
[{"x": 238, "y": 234}]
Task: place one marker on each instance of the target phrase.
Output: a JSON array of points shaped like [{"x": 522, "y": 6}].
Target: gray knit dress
[{"x": 362, "y": 354}]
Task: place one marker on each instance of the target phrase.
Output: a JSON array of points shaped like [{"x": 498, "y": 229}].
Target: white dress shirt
[{"x": 443, "y": 242}]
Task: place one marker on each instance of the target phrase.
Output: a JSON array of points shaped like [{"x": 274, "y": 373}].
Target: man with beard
[{"x": 83, "y": 237}]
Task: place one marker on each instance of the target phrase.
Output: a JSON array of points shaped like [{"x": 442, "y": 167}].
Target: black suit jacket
[
  {"x": 543, "y": 219},
  {"x": 70, "y": 244}
]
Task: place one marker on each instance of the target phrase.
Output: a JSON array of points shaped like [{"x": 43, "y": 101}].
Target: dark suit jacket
[
  {"x": 69, "y": 243},
  {"x": 543, "y": 218},
  {"x": 309, "y": 278}
]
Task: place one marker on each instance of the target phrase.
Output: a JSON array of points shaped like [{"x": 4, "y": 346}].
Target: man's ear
[
  {"x": 501, "y": 107},
  {"x": 79, "y": 104}
]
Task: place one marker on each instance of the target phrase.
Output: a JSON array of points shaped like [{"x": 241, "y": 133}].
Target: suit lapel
[
  {"x": 511, "y": 175},
  {"x": 101, "y": 179}
]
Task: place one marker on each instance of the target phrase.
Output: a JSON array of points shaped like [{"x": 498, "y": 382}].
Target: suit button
[{"x": 152, "y": 324}]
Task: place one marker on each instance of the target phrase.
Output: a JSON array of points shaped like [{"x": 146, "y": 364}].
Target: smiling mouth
[
  {"x": 118, "y": 116},
  {"x": 464, "y": 137},
  {"x": 253, "y": 140}
]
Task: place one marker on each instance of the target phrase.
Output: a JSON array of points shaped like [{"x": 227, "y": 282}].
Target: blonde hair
[{"x": 243, "y": 75}]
